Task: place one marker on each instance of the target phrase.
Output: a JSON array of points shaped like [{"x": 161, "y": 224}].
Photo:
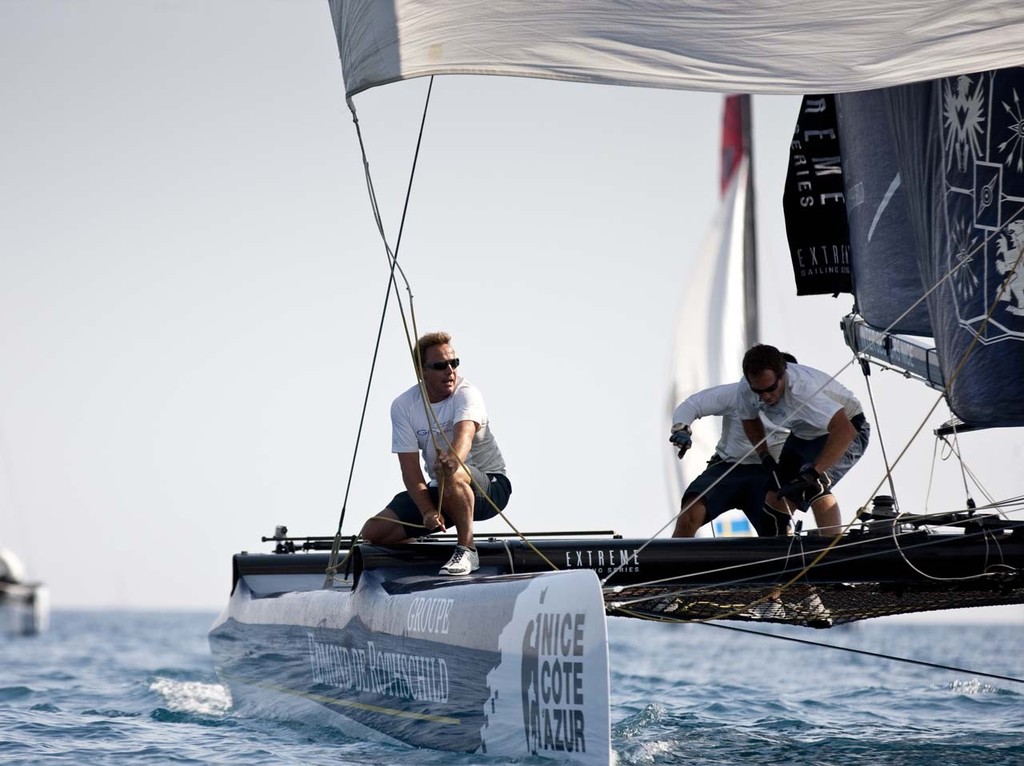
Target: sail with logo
[{"x": 920, "y": 212}]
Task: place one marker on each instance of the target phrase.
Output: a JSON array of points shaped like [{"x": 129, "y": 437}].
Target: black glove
[
  {"x": 681, "y": 440},
  {"x": 807, "y": 486}
]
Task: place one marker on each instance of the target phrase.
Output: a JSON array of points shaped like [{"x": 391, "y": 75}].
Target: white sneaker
[
  {"x": 815, "y": 613},
  {"x": 462, "y": 562},
  {"x": 766, "y": 610}
]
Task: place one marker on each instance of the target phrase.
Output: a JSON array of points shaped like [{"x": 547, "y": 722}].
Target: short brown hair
[
  {"x": 427, "y": 341},
  {"x": 763, "y": 357}
]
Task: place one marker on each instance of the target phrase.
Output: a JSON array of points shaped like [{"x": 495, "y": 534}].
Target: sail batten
[{"x": 787, "y": 46}]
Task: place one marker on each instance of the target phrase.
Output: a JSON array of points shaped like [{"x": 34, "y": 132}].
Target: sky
[{"x": 191, "y": 284}]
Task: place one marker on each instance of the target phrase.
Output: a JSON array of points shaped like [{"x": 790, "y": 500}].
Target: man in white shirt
[
  {"x": 736, "y": 476},
  {"x": 460, "y": 455},
  {"x": 828, "y": 431}
]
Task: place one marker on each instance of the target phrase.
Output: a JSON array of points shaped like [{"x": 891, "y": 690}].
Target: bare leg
[
  {"x": 458, "y": 499},
  {"x": 692, "y": 516},
  {"x": 385, "y": 529},
  {"x": 827, "y": 515}
]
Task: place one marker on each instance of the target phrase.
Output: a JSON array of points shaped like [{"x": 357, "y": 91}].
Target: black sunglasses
[
  {"x": 771, "y": 388},
  {"x": 444, "y": 365}
]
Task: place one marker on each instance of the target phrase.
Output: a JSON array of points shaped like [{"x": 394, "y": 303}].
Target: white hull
[
  {"x": 24, "y": 609},
  {"x": 512, "y": 665}
]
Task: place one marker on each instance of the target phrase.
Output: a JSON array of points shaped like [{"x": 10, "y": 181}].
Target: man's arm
[
  {"x": 754, "y": 429},
  {"x": 717, "y": 400},
  {"x": 462, "y": 441},
  {"x": 841, "y": 433},
  {"x": 416, "y": 486}
]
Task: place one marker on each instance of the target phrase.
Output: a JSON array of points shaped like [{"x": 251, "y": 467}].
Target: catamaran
[{"x": 513, "y": 660}]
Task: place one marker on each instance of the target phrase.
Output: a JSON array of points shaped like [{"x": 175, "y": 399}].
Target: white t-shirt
[
  {"x": 808, "y": 403},
  {"x": 734, "y": 445},
  {"x": 410, "y": 427}
]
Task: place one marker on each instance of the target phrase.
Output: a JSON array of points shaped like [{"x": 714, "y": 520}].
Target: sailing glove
[
  {"x": 807, "y": 487},
  {"x": 681, "y": 439}
]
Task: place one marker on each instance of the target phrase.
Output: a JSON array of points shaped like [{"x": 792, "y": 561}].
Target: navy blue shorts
[
  {"x": 497, "y": 486},
  {"x": 743, "y": 487},
  {"x": 797, "y": 452}
]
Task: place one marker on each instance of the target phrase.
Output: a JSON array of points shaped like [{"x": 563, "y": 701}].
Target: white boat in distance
[{"x": 24, "y": 604}]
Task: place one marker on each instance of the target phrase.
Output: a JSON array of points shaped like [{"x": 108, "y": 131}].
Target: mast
[{"x": 751, "y": 311}]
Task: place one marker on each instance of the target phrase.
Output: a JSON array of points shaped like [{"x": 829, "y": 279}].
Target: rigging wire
[
  {"x": 799, "y": 568},
  {"x": 394, "y": 266},
  {"x": 392, "y": 284},
  {"x": 931, "y": 475},
  {"x": 894, "y": 658},
  {"x": 866, "y": 369},
  {"x": 910, "y": 441},
  {"x": 948, "y": 385},
  {"x": 966, "y": 472},
  {"x": 333, "y": 563},
  {"x": 950, "y": 274},
  {"x": 954, "y": 449},
  {"x": 803, "y": 571},
  {"x": 730, "y": 469},
  {"x": 962, "y": 362}
]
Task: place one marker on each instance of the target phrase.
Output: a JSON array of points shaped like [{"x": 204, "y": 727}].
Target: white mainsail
[{"x": 727, "y": 46}]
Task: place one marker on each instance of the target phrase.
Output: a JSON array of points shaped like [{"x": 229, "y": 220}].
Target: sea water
[{"x": 139, "y": 688}]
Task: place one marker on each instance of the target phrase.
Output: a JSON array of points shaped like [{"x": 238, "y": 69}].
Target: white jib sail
[{"x": 710, "y": 331}]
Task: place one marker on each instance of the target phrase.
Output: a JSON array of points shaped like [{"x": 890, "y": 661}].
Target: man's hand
[
  {"x": 680, "y": 438},
  {"x": 446, "y": 464},
  {"x": 806, "y": 486},
  {"x": 434, "y": 522},
  {"x": 772, "y": 465}
]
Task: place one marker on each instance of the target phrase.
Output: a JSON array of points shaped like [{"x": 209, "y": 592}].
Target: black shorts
[
  {"x": 743, "y": 487},
  {"x": 496, "y": 485}
]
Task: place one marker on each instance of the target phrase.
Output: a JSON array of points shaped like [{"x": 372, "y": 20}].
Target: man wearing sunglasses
[
  {"x": 735, "y": 476},
  {"x": 466, "y": 471},
  {"x": 828, "y": 432}
]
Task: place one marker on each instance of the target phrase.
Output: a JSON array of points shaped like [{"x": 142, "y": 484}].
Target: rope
[
  {"x": 392, "y": 256},
  {"x": 989, "y": 538},
  {"x": 800, "y": 570},
  {"x": 332, "y": 572},
  {"x": 730, "y": 469},
  {"x": 903, "y": 452},
  {"x": 392, "y": 283},
  {"x": 958, "y": 369},
  {"x": 803, "y": 571}
]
